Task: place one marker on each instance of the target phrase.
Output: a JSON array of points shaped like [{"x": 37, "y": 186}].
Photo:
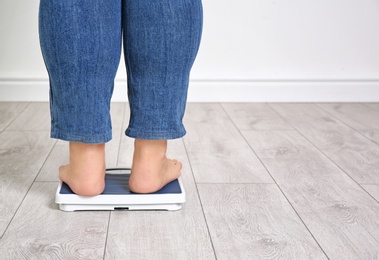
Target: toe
[{"x": 177, "y": 163}]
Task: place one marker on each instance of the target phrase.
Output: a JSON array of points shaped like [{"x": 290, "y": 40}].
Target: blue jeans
[{"x": 81, "y": 44}]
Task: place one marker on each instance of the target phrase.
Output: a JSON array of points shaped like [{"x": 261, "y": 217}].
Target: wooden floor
[{"x": 263, "y": 181}]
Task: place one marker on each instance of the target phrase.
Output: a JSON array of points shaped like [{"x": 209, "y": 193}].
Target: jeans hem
[
  {"x": 155, "y": 135},
  {"x": 88, "y": 139}
]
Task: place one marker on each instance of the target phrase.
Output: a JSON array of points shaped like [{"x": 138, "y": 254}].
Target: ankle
[
  {"x": 84, "y": 154},
  {"x": 150, "y": 147}
]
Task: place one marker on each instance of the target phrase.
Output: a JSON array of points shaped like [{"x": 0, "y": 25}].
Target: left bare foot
[{"x": 85, "y": 174}]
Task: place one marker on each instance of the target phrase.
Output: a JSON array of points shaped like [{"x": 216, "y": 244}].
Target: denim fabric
[{"x": 81, "y": 46}]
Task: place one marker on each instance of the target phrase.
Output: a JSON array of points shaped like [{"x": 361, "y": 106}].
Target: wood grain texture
[
  {"x": 255, "y": 221},
  {"x": 355, "y": 154},
  {"x": 9, "y": 111},
  {"x": 314, "y": 209},
  {"x": 258, "y": 116},
  {"x": 162, "y": 235},
  {"x": 21, "y": 156},
  {"x": 342, "y": 217},
  {"x": 358, "y": 116},
  {"x": 217, "y": 151},
  {"x": 40, "y": 231},
  {"x": 59, "y": 156},
  {"x": 373, "y": 134},
  {"x": 373, "y": 190},
  {"x": 36, "y": 117}
]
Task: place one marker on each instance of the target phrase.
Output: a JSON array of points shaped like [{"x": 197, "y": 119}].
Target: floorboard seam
[
  {"x": 199, "y": 198},
  {"x": 326, "y": 156},
  {"x": 5, "y": 128},
  {"x": 106, "y": 236},
  {"x": 27, "y": 192},
  {"x": 118, "y": 157},
  {"x": 278, "y": 184},
  {"x": 343, "y": 122}
]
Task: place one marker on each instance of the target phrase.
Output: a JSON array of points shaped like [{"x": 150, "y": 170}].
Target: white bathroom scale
[{"x": 117, "y": 196}]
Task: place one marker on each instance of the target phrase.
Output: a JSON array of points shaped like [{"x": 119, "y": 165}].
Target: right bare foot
[
  {"x": 151, "y": 168},
  {"x": 85, "y": 174}
]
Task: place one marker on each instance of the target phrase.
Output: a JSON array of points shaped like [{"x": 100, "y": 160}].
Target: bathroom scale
[{"x": 117, "y": 195}]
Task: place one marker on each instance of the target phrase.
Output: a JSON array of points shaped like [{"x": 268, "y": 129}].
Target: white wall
[{"x": 252, "y": 50}]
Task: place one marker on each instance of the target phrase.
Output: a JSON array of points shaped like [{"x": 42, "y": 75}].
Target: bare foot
[
  {"x": 151, "y": 168},
  {"x": 85, "y": 174}
]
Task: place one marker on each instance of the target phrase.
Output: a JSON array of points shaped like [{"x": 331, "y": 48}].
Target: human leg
[
  {"x": 81, "y": 43},
  {"x": 161, "y": 39}
]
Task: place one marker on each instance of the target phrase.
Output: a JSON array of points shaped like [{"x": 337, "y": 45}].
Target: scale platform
[{"x": 117, "y": 196}]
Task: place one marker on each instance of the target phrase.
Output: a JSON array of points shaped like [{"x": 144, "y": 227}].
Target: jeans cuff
[
  {"x": 88, "y": 139},
  {"x": 155, "y": 135}
]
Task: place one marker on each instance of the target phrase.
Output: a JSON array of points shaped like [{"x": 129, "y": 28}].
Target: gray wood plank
[
  {"x": 60, "y": 153},
  {"x": 373, "y": 106},
  {"x": 35, "y": 117},
  {"x": 159, "y": 234},
  {"x": 257, "y": 116},
  {"x": 40, "y": 231},
  {"x": 59, "y": 156},
  {"x": 21, "y": 156},
  {"x": 217, "y": 151},
  {"x": 355, "y": 154},
  {"x": 373, "y": 134},
  {"x": 358, "y": 116},
  {"x": 255, "y": 221},
  {"x": 373, "y": 190},
  {"x": 342, "y": 217},
  {"x": 117, "y": 114},
  {"x": 9, "y": 111},
  {"x": 125, "y": 155}
]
